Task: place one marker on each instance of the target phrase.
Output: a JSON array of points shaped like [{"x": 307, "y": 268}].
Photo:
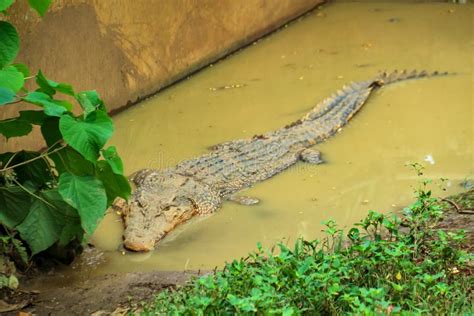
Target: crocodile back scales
[{"x": 234, "y": 165}]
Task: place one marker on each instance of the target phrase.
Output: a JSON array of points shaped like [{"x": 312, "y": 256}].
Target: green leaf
[
  {"x": 110, "y": 154},
  {"x": 397, "y": 287},
  {"x": 90, "y": 101},
  {"x": 72, "y": 229},
  {"x": 51, "y": 107},
  {"x": 4, "y": 281},
  {"x": 87, "y": 195},
  {"x": 88, "y": 135},
  {"x": 13, "y": 282},
  {"x": 23, "y": 69},
  {"x": 6, "y": 96},
  {"x": 44, "y": 85},
  {"x": 33, "y": 117},
  {"x": 41, "y": 227},
  {"x": 9, "y": 43},
  {"x": 115, "y": 184},
  {"x": 288, "y": 311},
  {"x": 41, "y": 6},
  {"x": 66, "y": 159},
  {"x": 85, "y": 103},
  {"x": 50, "y": 87},
  {"x": 15, "y": 127},
  {"x": 73, "y": 162},
  {"x": 11, "y": 78},
  {"x": 4, "y": 4},
  {"x": 68, "y": 217},
  {"x": 50, "y": 220},
  {"x": 50, "y": 130},
  {"x": 36, "y": 171},
  {"x": 14, "y": 205},
  {"x": 20, "y": 249}
]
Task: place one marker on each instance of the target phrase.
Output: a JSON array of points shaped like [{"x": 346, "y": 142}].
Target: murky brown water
[{"x": 275, "y": 82}]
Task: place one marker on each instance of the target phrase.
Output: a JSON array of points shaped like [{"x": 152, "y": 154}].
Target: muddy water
[{"x": 276, "y": 81}]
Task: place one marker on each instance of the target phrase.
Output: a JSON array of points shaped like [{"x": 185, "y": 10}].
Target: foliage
[
  {"x": 53, "y": 196},
  {"x": 10, "y": 247},
  {"x": 386, "y": 265}
]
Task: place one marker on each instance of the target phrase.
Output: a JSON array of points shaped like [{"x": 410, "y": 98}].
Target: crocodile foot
[
  {"x": 311, "y": 156},
  {"x": 244, "y": 200}
]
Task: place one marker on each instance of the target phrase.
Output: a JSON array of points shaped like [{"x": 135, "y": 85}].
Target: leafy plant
[
  {"x": 11, "y": 248},
  {"x": 55, "y": 195},
  {"x": 387, "y": 264}
]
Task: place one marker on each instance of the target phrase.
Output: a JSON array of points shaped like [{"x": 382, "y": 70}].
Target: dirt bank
[
  {"x": 101, "y": 295},
  {"x": 459, "y": 214}
]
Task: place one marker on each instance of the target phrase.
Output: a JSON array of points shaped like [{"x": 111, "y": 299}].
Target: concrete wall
[{"x": 127, "y": 50}]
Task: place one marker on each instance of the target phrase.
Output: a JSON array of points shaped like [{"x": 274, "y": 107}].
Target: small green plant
[
  {"x": 388, "y": 264},
  {"x": 11, "y": 247},
  {"x": 56, "y": 195}
]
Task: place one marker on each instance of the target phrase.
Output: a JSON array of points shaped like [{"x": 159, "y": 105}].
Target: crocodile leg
[
  {"x": 244, "y": 200},
  {"x": 311, "y": 156}
]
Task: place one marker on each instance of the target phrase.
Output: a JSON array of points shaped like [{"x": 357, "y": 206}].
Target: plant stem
[
  {"x": 32, "y": 194},
  {"x": 459, "y": 209},
  {"x": 11, "y": 159},
  {"x": 45, "y": 154}
]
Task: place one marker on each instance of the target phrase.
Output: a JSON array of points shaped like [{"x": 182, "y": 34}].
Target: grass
[{"x": 386, "y": 264}]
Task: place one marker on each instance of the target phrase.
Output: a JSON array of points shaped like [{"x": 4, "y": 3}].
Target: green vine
[{"x": 57, "y": 195}]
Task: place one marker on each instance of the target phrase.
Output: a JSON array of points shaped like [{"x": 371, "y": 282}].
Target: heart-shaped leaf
[
  {"x": 15, "y": 127},
  {"x": 116, "y": 185},
  {"x": 14, "y": 205},
  {"x": 6, "y": 96},
  {"x": 11, "y": 78},
  {"x": 51, "y": 106},
  {"x": 4, "y": 4},
  {"x": 50, "y": 87},
  {"x": 87, "y": 195},
  {"x": 88, "y": 135},
  {"x": 110, "y": 154},
  {"x": 41, "y": 6},
  {"x": 9, "y": 43}
]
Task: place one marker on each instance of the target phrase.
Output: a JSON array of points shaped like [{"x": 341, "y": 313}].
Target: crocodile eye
[
  {"x": 141, "y": 203},
  {"x": 180, "y": 200}
]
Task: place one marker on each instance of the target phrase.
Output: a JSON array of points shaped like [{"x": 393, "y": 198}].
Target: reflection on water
[{"x": 270, "y": 84}]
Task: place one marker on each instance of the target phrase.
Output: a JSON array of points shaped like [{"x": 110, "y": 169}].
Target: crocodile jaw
[
  {"x": 137, "y": 235},
  {"x": 145, "y": 226},
  {"x": 139, "y": 245}
]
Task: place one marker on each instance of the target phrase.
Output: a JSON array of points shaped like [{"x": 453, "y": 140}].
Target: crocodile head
[{"x": 161, "y": 202}]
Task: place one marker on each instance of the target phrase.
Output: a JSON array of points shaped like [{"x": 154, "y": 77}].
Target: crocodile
[{"x": 164, "y": 199}]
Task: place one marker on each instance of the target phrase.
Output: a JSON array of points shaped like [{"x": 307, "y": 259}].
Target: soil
[
  {"x": 110, "y": 294},
  {"x": 459, "y": 214},
  {"x": 117, "y": 294}
]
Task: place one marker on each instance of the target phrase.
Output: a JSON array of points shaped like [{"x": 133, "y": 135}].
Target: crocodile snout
[{"x": 140, "y": 246}]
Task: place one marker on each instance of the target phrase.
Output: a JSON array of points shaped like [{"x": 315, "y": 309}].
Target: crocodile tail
[
  {"x": 396, "y": 76},
  {"x": 333, "y": 101},
  {"x": 360, "y": 88}
]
